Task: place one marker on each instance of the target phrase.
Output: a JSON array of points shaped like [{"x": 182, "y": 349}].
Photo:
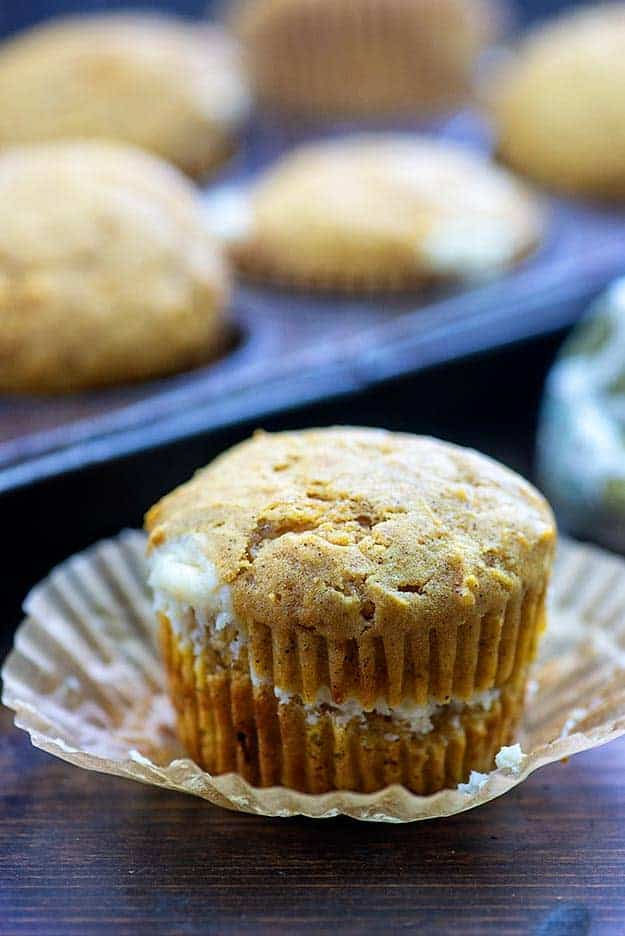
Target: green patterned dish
[{"x": 581, "y": 437}]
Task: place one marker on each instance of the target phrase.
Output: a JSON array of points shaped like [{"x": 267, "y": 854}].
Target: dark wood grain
[{"x": 83, "y": 853}]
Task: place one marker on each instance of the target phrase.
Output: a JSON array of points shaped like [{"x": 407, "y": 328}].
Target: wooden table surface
[{"x": 85, "y": 853}]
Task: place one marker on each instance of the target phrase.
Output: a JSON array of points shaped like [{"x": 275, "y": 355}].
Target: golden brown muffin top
[
  {"x": 165, "y": 84},
  {"x": 344, "y": 530},
  {"x": 381, "y": 209},
  {"x": 596, "y": 30},
  {"x": 107, "y": 272},
  {"x": 558, "y": 102}
]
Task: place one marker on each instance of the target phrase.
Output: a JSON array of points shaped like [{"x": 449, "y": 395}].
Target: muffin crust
[
  {"x": 558, "y": 105},
  {"x": 170, "y": 86},
  {"x": 344, "y": 529},
  {"x": 107, "y": 273}
]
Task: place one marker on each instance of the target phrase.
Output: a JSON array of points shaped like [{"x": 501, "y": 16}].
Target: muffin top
[
  {"x": 344, "y": 530},
  {"x": 379, "y": 210},
  {"x": 106, "y": 270},
  {"x": 559, "y": 105},
  {"x": 169, "y": 86}
]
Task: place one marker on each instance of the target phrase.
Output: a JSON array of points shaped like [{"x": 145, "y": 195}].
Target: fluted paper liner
[
  {"x": 357, "y": 60},
  {"x": 256, "y": 265},
  {"x": 86, "y": 682},
  {"x": 227, "y": 723}
]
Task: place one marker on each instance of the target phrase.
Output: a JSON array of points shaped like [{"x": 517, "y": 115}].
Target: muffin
[
  {"x": 364, "y": 57},
  {"x": 559, "y": 106},
  {"x": 107, "y": 272},
  {"x": 172, "y": 87},
  {"x": 348, "y": 608},
  {"x": 377, "y": 212}
]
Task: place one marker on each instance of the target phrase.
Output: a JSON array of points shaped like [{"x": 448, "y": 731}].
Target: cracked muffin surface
[
  {"x": 347, "y": 608},
  {"x": 346, "y": 530}
]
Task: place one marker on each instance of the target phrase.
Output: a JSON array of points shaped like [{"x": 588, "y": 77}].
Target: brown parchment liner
[
  {"x": 381, "y": 58},
  {"x": 85, "y": 680},
  {"x": 256, "y": 262}
]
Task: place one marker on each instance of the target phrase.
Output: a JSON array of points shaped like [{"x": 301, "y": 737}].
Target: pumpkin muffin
[
  {"x": 173, "y": 87},
  {"x": 107, "y": 272},
  {"x": 559, "y": 105},
  {"x": 377, "y": 212},
  {"x": 347, "y": 608},
  {"x": 330, "y": 58}
]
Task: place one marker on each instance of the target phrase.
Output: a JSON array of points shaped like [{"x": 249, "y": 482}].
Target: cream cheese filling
[
  {"x": 475, "y": 247},
  {"x": 419, "y": 718},
  {"x": 509, "y": 757},
  {"x": 187, "y": 589}
]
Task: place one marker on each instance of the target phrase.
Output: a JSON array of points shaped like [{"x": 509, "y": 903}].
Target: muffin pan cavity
[{"x": 291, "y": 347}]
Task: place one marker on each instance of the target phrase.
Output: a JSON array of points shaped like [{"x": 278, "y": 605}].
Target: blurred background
[{"x": 16, "y": 14}]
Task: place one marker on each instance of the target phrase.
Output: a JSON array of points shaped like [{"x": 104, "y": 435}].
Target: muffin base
[
  {"x": 227, "y": 724},
  {"x": 378, "y": 59},
  {"x": 253, "y": 263}
]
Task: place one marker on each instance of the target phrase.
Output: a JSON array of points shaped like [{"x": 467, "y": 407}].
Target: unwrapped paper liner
[{"x": 86, "y": 682}]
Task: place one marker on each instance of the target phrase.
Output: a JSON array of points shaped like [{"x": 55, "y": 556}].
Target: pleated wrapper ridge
[{"x": 86, "y": 681}]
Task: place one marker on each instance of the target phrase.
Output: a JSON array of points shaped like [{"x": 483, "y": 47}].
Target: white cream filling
[
  {"x": 510, "y": 758},
  {"x": 180, "y": 570},
  {"x": 474, "y": 247},
  {"x": 230, "y": 101},
  {"x": 417, "y": 717},
  {"x": 187, "y": 589},
  {"x": 475, "y": 783}
]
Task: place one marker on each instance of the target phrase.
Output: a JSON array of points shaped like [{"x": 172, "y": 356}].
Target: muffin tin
[{"x": 290, "y": 348}]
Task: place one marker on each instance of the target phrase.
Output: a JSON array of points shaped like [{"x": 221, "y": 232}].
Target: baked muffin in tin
[
  {"x": 107, "y": 271},
  {"x": 377, "y": 212},
  {"x": 559, "y": 107},
  {"x": 173, "y": 87}
]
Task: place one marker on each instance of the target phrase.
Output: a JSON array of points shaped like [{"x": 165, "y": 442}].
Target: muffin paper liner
[
  {"x": 350, "y": 70},
  {"x": 227, "y": 723},
  {"x": 86, "y": 681},
  {"x": 253, "y": 263}
]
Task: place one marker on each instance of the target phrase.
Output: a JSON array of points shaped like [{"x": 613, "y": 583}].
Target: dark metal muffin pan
[{"x": 291, "y": 347}]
